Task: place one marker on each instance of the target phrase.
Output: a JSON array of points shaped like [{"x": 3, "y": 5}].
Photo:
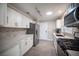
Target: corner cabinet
[{"x": 9, "y": 17}]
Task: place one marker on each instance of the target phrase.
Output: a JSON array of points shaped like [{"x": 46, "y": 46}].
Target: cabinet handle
[
  {"x": 7, "y": 19},
  {"x": 26, "y": 25},
  {"x": 25, "y": 43},
  {"x": 16, "y": 24}
]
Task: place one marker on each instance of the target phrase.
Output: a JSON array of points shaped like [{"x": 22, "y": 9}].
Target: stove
[{"x": 68, "y": 44}]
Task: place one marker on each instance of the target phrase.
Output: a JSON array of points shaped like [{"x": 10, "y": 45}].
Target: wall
[{"x": 9, "y": 37}]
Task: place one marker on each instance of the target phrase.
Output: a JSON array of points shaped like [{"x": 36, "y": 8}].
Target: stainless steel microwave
[{"x": 72, "y": 19}]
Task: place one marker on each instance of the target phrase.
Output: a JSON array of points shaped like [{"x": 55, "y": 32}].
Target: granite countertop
[{"x": 64, "y": 36}]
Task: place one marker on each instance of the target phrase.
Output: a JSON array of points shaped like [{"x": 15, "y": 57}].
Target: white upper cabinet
[
  {"x": 3, "y": 14},
  {"x": 9, "y": 17},
  {"x": 58, "y": 23},
  {"x": 16, "y": 19},
  {"x": 25, "y": 21}
]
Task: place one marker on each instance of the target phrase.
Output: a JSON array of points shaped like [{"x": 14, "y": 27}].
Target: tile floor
[{"x": 44, "y": 48}]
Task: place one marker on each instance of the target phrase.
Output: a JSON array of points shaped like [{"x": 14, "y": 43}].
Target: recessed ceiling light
[{"x": 49, "y": 13}]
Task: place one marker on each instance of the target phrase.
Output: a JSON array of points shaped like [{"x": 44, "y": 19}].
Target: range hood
[{"x": 72, "y": 18}]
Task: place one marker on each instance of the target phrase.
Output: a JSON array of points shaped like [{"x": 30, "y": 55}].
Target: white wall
[{"x": 51, "y": 25}]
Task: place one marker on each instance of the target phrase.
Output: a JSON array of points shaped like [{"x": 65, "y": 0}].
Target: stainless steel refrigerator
[{"x": 34, "y": 29}]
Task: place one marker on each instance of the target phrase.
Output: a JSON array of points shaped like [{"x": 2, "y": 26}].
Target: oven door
[{"x": 76, "y": 35}]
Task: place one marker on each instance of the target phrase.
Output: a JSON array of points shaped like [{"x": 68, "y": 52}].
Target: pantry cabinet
[{"x": 10, "y": 17}]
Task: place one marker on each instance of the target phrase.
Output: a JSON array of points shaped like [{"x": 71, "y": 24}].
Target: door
[{"x": 44, "y": 31}]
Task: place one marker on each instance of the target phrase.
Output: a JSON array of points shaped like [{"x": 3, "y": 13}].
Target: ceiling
[{"x": 38, "y": 10}]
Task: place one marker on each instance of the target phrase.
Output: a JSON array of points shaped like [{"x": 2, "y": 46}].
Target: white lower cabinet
[
  {"x": 23, "y": 46},
  {"x": 14, "y": 51},
  {"x": 20, "y": 48},
  {"x": 55, "y": 43},
  {"x": 26, "y": 44}
]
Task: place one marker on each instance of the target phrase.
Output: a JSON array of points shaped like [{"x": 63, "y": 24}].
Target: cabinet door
[
  {"x": 14, "y": 18},
  {"x": 25, "y": 22},
  {"x": 30, "y": 40},
  {"x": 18, "y": 20},
  {"x": 26, "y": 44},
  {"x": 3, "y": 13},
  {"x": 55, "y": 43},
  {"x": 11, "y": 17},
  {"x": 14, "y": 51}
]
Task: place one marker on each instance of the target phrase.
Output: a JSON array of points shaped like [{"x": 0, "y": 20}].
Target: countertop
[
  {"x": 70, "y": 52},
  {"x": 68, "y": 37}
]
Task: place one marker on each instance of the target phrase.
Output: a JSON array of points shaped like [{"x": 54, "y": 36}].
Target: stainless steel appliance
[
  {"x": 76, "y": 35},
  {"x": 34, "y": 29},
  {"x": 72, "y": 19}
]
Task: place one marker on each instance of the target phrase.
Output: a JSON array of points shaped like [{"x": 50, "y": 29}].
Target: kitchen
[{"x": 39, "y": 29}]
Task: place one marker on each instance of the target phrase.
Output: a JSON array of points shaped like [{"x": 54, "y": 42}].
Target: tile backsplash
[{"x": 69, "y": 31}]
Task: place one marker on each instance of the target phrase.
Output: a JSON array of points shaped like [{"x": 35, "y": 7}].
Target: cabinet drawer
[{"x": 14, "y": 51}]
